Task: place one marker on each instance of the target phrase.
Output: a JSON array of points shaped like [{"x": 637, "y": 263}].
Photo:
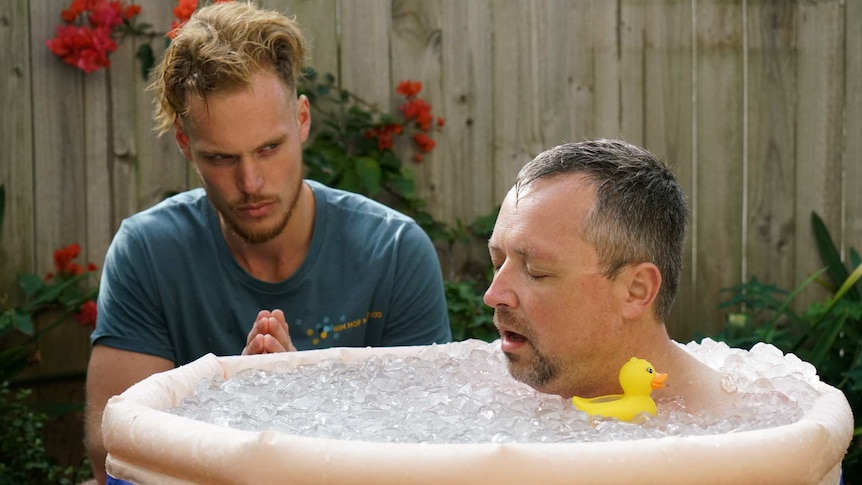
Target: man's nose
[
  {"x": 501, "y": 291},
  {"x": 250, "y": 178}
]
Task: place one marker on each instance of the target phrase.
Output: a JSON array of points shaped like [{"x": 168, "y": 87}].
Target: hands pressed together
[{"x": 269, "y": 334}]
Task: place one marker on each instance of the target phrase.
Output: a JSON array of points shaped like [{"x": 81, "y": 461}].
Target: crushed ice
[{"x": 464, "y": 394}]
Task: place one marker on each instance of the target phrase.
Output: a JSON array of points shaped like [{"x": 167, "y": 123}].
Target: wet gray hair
[{"x": 640, "y": 211}]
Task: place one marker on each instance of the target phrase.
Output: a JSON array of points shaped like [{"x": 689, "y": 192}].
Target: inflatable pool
[{"x": 146, "y": 444}]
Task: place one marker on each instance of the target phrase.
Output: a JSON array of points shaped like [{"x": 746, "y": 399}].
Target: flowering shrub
[
  {"x": 65, "y": 289},
  {"x": 90, "y": 27},
  {"x": 355, "y": 147},
  {"x": 415, "y": 110},
  {"x": 87, "y": 35},
  {"x": 67, "y": 270}
]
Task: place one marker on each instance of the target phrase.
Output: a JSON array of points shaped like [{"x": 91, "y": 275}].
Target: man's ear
[
  {"x": 182, "y": 140},
  {"x": 303, "y": 117},
  {"x": 642, "y": 284}
]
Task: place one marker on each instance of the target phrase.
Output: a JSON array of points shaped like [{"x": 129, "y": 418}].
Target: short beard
[
  {"x": 543, "y": 370},
  {"x": 536, "y": 376},
  {"x": 261, "y": 237}
]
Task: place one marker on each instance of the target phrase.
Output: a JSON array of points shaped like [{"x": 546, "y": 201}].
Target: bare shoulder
[{"x": 698, "y": 385}]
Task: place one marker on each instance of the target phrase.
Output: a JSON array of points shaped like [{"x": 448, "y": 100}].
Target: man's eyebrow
[
  {"x": 529, "y": 252},
  {"x": 275, "y": 141},
  {"x": 210, "y": 151}
]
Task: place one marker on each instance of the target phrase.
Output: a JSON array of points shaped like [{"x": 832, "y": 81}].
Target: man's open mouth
[
  {"x": 514, "y": 337},
  {"x": 512, "y": 341}
]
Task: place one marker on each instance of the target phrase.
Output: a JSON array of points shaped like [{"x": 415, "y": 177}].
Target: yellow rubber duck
[{"x": 638, "y": 379}]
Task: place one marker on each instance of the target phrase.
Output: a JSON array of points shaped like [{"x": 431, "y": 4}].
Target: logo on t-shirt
[{"x": 326, "y": 334}]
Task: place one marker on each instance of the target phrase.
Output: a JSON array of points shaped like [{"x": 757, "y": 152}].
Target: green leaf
[
  {"x": 350, "y": 181},
  {"x": 51, "y": 293},
  {"x": 403, "y": 186},
  {"x": 30, "y": 284},
  {"x": 147, "y": 58},
  {"x": 6, "y": 323},
  {"x": 12, "y": 362},
  {"x": 792, "y": 295},
  {"x": 309, "y": 73},
  {"x": 848, "y": 287},
  {"x": 829, "y": 253},
  {"x": 389, "y": 160},
  {"x": 825, "y": 341},
  {"x": 369, "y": 173},
  {"x": 23, "y": 321},
  {"x": 855, "y": 260}
]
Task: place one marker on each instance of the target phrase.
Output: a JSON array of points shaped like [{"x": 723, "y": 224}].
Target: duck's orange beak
[{"x": 658, "y": 380}]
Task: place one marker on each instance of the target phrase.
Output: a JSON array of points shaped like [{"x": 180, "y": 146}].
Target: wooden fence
[{"x": 756, "y": 103}]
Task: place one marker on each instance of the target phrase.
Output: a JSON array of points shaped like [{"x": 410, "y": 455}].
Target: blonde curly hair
[{"x": 224, "y": 45}]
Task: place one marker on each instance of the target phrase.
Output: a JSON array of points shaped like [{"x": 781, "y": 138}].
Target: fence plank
[
  {"x": 819, "y": 126},
  {"x": 98, "y": 163},
  {"x": 16, "y": 150},
  {"x": 466, "y": 145},
  {"x": 558, "y": 28},
  {"x": 668, "y": 132},
  {"x": 581, "y": 79},
  {"x": 718, "y": 222},
  {"x": 154, "y": 165},
  {"x": 416, "y": 43},
  {"x": 607, "y": 69},
  {"x": 771, "y": 94},
  {"x": 365, "y": 47},
  {"x": 318, "y": 19},
  {"x": 59, "y": 150},
  {"x": 852, "y": 237},
  {"x": 632, "y": 70},
  {"x": 515, "y": 63},
  {"x": 125, "y": 82}
]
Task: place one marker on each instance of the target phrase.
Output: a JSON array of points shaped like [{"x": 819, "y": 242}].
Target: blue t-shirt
[{"x": 171, "y": 287}]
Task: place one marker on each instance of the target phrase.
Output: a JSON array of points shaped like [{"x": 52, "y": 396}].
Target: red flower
[
  {"x": 64, "y": 256},
  {"x": 440, "y": 122},
  {"x": 183, "y": 12},
  {"x": 412, "y": 109},
  {"x": 409, "y": 88},
  {"x": 384, "y": 135},
  {"x": 86, "y": 315},
  {"x": 424, "y": 142},
  {"x": 131, "y": 11},
  {"x": 63, "y": 261},
  {"x": 75, "y": 9},
  {"x": 424, "y": 119},
  {"x": 87, "y": 46},
  {"x": 184, "y": 9},
  {"x": 106, "y": 14}
]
